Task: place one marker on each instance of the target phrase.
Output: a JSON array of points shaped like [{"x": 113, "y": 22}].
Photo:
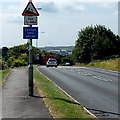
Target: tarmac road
[{"x": 95, "y": 89}]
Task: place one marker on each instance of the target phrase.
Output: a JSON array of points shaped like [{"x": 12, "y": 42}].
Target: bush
[
  {"x": 18, "y": 63},
  {"x": 4, "y": 65},
  {"x": 10, "y": 61}
]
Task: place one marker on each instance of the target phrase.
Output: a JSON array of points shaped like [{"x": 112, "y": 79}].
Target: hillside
[{"x": 67, "y": 48}]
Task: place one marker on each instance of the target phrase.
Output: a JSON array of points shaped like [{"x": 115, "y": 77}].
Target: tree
[
  {"x": 18, "y": 50},
  {"x": 95, "y": 43},
  {"x": 4, "y": 53},
  {"x": 67, "y": 58},
  {"x": 18, "y": 55}
]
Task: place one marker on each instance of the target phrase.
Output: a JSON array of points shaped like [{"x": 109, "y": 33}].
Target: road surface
[{"x": 95, "y": 89}]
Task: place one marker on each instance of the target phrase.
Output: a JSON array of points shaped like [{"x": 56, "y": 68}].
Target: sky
[{"x": 59, "y": 21}]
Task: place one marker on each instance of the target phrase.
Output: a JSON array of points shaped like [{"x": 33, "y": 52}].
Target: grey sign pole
[
  {"x": 30, "y": 19},
  {"x": 30, "y": 68}
]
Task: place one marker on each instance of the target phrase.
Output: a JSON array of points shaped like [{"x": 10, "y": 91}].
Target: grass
[
  {"x": 58, "y": 102},
  {"x": 112, "y": 64},
  {"x": 3, "y": 75}
]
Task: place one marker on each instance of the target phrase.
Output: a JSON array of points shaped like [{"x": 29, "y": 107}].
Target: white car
[
  {"x": 52, "y": 62},
  {"x": 67, "y": 64}
]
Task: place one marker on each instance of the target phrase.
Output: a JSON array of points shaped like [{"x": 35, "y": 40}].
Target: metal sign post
[
  {"x": 30, "y": 33},
  {"x": 30, "y": 68}
]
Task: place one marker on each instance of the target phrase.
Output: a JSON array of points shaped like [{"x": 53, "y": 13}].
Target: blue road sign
[{"x": 30, "y": 32}]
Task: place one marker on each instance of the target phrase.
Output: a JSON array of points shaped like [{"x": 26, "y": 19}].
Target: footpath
[{"x": 15, "y": 100}]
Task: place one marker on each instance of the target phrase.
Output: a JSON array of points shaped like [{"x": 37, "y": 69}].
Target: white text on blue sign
[{"x": 30, "y": 32}]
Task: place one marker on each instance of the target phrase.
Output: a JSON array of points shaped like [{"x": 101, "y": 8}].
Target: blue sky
[{"x": 59, "y": 20}]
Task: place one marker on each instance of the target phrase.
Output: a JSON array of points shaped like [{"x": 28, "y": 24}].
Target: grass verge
[
  {"x": 112, "y": 64},
  {"x": 60, "y": 105},
  {"x": 3, "y": 75}
]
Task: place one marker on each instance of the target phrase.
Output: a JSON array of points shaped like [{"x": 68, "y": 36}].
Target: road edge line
[{"x": 69, "y": 96}]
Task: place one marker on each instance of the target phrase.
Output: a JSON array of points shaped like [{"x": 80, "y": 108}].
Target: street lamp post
[{"x": 37, "y": 40}]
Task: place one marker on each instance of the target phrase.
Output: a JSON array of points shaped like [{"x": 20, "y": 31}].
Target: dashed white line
[{"x": 86, "y": 74}]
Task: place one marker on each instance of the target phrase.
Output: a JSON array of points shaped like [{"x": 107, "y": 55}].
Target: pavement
[{"x": 15, "y": 100}]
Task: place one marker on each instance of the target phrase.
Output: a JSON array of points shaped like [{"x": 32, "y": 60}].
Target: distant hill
[{"x": 67, "y": 48}]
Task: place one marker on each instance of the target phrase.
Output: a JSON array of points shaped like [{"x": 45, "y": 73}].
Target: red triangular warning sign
[{"x": 30, "y": 10}]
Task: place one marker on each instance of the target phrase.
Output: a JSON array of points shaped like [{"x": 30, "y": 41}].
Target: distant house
[{"x": 61, "y": 50}]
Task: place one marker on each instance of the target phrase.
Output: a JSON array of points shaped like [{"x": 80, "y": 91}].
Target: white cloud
[
  {"x": 75, "y": 1},
  {"x": 14, "y": 19},
  {"x": 60, "y": 1},
  {"x": 4, "y": 1},
  {"x": 80, "y": 7},
  {"x": 115, "y": 13},
  {"x": 12, "y": 12},
  {"x": 66, "y": 19},
  {"x": 60, "y": 6},
  {"x": 13, "y": 9},
  {"x": 75, "y": 6},
  {"x": 108, "y": 5},
  {"x": 49, "y": 7}
]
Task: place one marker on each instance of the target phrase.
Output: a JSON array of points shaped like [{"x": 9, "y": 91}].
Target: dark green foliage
[
  {"x": 4, "y": 53},
  {"x": 58, "y": 57},
  {"x": 16, "y": 51},
  {"x": 95, "y": 43},
  {"x": 4, "y": 57},
  {"x": 18, "y": 63},
  {"x": 18, "y": 56},
  {"x": 67, "y": 59}
]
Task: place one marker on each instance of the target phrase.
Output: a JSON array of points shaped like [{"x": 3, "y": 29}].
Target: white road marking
[{"x": 79, "y": 71}]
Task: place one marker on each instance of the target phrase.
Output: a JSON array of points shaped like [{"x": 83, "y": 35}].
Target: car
[
  {"x": 67, "y": 64},
  {"x": 52, "y": 62}
]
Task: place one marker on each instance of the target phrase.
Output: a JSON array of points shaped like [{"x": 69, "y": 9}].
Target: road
[{"x": 95, "y": 89}]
